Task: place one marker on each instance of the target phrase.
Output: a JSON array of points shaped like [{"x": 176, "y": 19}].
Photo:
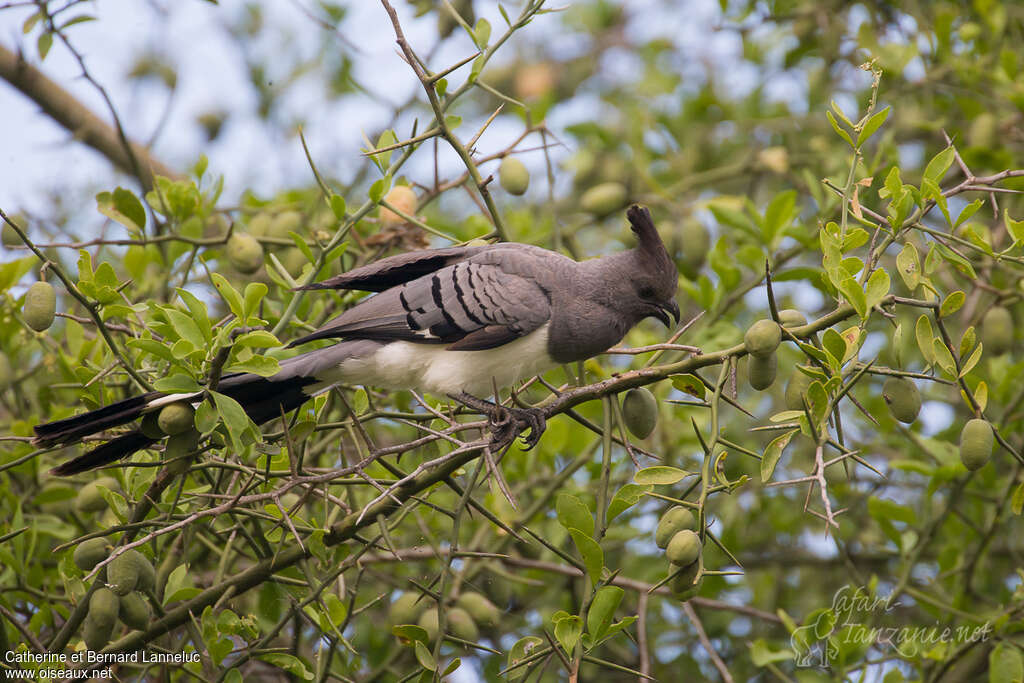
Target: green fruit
[
  {"x": 682, "y": 584},
  {"x": 407, "y": 608},
  {"x": 640, "y": 412},
  {"x": 461, "y": 624},
  {"x": 903, "y": 398},
  {"x": 604, "y": 199},
  {"x": 761, "y": 371},
  {"x": 150, "y": 426},
  {"x": 244, "y": 252},
  {"x": 790, "y": 317},
  {"x": 997, "y": 330},
  {"x": 763, "y": 337},
  {"x": 284, "y": 223},
  {"x": 104, "y": 606},
  {"x": 177, "y": 418},
  {"x": 480, "y": 608},
  {"x": 90, "y": 553},
  {"x": 796, "y": 389},
  {"x": 428, "y": 622},
  {"x": 135, "y": 611},
  {"x": 694, "y": 244},
  {"x": 513, "y": 176},
  {"x": 976, "y": 442},
  {"x": 260, "y": 224},
  {"x": 9, "y": 237},
  {"x": 147, "y": 574},
  {"x": 96, "y": 636},
  {"x": 684, "y": 548},
  {"x": 123, "y": 572},
  {"x": 40, "y": 306},
  {"x": 672, "y": 522},
  {"x": 983, "y": 130},
  {"x": 90, "y": 498},
  {"x": 293, "y": 261}
]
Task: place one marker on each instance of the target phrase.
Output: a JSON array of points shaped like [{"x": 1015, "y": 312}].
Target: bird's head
[{"x": 654, "y": 277}]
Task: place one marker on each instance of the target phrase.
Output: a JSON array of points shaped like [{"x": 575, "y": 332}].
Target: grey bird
[{"x": 456, "y": 321}]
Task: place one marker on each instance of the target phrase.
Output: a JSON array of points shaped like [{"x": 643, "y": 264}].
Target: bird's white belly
[{"x": 434, "y": 369}]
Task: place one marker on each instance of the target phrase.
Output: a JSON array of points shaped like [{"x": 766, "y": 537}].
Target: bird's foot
[{"x": 506, "y": 423}]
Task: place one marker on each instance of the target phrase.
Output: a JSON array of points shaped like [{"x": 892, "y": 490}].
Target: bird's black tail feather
[
  {"x": 262, "y": 399},
  {"x": 74, "y": 428},
  {"x": 111, "y": 451}
]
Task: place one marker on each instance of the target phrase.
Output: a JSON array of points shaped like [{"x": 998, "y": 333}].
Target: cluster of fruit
[
  {"x": 676, "y": 535},
  {"x": 128, "y": 578},
  {"x": 899, "y": 392},
  {"x": 462, "y": 618}
]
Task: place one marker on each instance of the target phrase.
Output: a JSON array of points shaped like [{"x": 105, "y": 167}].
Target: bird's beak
[{"x": 664, "y": 308}]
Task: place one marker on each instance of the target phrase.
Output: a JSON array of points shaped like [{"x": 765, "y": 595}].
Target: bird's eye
[{"x": 646, "y": 292}]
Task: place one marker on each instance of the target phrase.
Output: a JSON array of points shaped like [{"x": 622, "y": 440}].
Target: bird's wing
[
  {"x": 396, "y": 270},
  {"x": 468, "y": 305}
]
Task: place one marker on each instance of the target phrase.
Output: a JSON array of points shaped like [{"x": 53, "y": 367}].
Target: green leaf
[
  {"x": 909, "y": 266},
  {"x": 952, "y": 303},
  {"x": 179, "y": 585},
  {"x": 573, "y": 514},
  {"x": 338, "y": 206},
  {"x": 380, "y": 188},
  {"x": 944, "y": 358},
  {"x": 197, "y": 309},
  {"x": 839, "y": 131},
  {"x": 568, "y": 631},
  {"x": 877, "y": 288},
  {"x": 1017, "y": 501},
  {"x": 1015, "y": 228},
  {"x": 689, "y": 384},
  {"x": 873, "y": 124},
  {"x": 772, "y": 453},
  {"x": 660, "y": 474},
  {"x": 260, "y": 339},
  {"x": 938, "y": 166},
  {"x": 602, "y": 610},
  {"x": 424, "y": 657},
  {"x": 625, "y": 498},
  {"x": 779, "y": 214},
  {"x": 854, "y": 295},
  {"x": 254, "y": 293},
  {"x": 762, "y": 654},
  {"x": 523, "y": 648},
  {"x": 292, "y": 665},
  {"x": 234, "y": 417},
  {"x": 185, "y": 327},
  {"x": 924, "y": 334},
  {"x": 1005, "y": 664},
  {"x": 967, "y": 212},
  {"x": 971, "y": 361},
  {"x": 152, "y": 347},
  {"x": 264, "y": 366},
  {"x": 177, "y": 384},
  {"x": 593, "y": 556},
  {"x": 229, "y": 294},
  {"x": 482, "y": 33},
  {"x": 43, "y": 44},
  {"x": 122, "y": 206},
  {"x": 409, "y": 633}
]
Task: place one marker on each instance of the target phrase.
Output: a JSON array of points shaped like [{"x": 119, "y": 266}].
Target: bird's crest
[{"x": 648, "y": 240}]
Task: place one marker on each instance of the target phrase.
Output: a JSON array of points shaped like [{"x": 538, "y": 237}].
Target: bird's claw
[{"x": 505, "y": 423}]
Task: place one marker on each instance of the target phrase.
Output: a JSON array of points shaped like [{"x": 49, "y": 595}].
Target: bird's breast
[{"x": 435, "y": 369}]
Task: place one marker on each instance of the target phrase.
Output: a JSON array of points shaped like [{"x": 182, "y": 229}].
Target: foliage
[{"x": 877, "y": 196}]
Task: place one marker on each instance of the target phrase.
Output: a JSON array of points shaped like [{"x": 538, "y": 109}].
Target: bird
[{"x": 456, "y": 322}]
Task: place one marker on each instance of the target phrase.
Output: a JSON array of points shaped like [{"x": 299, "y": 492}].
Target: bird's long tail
[{"x": 262, "y": 398}]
